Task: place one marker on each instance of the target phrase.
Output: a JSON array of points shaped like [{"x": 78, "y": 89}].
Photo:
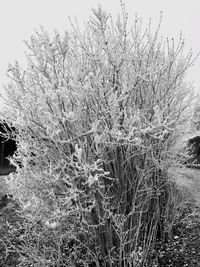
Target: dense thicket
[{"x": 98, "y": 114}]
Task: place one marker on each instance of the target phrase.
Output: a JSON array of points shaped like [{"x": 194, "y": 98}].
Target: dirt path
[{"x": 187, "y": 178}]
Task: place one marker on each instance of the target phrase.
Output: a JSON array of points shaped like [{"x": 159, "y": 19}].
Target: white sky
[{"x": 19, "y": 18}]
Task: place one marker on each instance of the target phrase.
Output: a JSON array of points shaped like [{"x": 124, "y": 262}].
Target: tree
[{"x": 98, "y": 114}]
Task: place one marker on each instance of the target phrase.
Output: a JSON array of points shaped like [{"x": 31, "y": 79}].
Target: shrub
[{"x": 98, "y": 115}]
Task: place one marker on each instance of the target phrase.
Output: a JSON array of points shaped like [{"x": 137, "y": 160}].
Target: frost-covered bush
[{"x": 98, "y": 114}]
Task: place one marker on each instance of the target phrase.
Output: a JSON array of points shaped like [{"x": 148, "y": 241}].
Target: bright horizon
[{"x": 19, "y": 19}]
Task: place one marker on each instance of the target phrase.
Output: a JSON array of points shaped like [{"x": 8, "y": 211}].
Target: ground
[{"x": 182, "y": 248}]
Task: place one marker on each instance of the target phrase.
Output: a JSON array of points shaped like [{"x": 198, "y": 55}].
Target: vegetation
[{"x": 98, "y": 115}]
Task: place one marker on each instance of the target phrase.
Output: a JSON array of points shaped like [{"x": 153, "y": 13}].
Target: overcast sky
[{"x": 19, "y": 18}]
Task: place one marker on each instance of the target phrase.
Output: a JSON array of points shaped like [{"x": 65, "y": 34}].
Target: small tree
[{"x": 98, "y": 114}]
